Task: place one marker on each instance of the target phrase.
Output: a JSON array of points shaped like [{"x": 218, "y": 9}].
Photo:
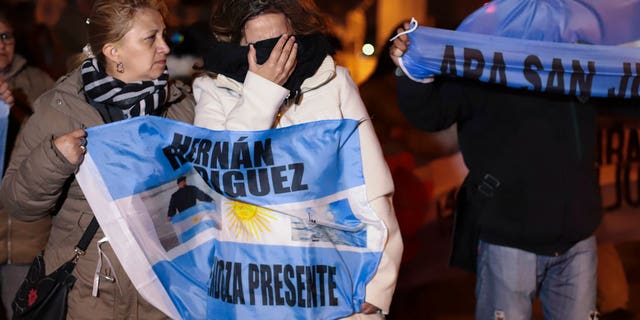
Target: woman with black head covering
[{"x": 270, "y": 66}]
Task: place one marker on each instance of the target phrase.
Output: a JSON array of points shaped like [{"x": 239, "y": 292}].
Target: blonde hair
[{"x": 110, "y": 20}]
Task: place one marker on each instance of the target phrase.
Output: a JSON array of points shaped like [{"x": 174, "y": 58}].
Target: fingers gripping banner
[{"x": 236, "y": 225}]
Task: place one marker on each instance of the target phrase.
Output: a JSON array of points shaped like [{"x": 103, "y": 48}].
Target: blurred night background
[{"x": 427, "y": 167}]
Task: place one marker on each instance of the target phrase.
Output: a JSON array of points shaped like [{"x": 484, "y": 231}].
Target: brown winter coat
[
  {"x": 27, "y": 83},
  {"x": 40, "y": 181},
  {"x": 21, "y": 241}
]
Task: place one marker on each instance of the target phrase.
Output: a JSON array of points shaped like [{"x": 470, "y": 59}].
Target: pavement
[{"x": 428, "y": 289}]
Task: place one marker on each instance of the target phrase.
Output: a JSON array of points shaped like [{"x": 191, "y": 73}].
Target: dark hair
[
  {"x": 4, "y": 18},
  {"x": 110, "y": 20},
  {"x": 7, "y": 14},
  {"x": 228, "y": 17},
  {"x": 183, "y": 178}
]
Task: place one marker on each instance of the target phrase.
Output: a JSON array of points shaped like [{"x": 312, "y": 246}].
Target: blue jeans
[{"x": 508, "y": 280}]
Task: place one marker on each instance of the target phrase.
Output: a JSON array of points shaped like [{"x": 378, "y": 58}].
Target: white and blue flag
[
  {"x": 4, "y": 128},
  {"x": 288, "y": 234},
  {"x": 609, "y": 22},
  {"x": 583, "y": 48},
  {"x": 190, "y": 222}
]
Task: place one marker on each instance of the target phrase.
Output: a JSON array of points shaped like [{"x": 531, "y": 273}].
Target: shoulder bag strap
[{"x": 88, "y": 234}]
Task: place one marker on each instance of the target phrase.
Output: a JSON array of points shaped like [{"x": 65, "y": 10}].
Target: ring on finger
[{"x": 83, "y": 149}]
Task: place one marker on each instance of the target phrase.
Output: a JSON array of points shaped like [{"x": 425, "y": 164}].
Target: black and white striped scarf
[{"x": 117, "y": 100}]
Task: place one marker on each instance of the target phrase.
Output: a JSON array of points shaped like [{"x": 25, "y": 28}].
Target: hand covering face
[{"x": 230, "y": 59}]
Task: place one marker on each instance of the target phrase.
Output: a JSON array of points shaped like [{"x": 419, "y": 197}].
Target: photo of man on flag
[
  {"x": 285, "y": 229},
  {"x": 187, "y": 212}
]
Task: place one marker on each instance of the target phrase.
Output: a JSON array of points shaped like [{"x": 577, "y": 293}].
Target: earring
[{"x": 120, "y": 67}]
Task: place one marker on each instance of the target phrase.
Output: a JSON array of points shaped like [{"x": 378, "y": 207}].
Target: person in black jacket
[
  {"x": 185, "y": 197},
  {"x": 530, "y": 204}
]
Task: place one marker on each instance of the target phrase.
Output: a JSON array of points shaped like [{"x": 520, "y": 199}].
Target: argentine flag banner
[
  {"x": 585, "y": 70},
  {"x": 270, "y": 224}
]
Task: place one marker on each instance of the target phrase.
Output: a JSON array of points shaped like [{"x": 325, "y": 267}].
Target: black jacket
[
  {"x": 532, "y": 180},
  {"x": 185, "y": 198}
]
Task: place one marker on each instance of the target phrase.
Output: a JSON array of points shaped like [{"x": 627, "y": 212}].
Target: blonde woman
[{"x": 127, "y": 78}]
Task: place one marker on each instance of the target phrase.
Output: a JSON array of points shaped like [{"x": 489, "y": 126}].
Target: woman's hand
[
  {"x": 281, "y": 62},
  {"x": 5, "y": 93},
  {"x": 72, "y": 145},
  {"x": 400, "y": 45}
]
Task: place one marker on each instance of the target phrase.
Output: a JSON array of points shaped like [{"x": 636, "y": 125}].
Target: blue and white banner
[
  {"x": 564, "y": 68},
  {"x": 4, "y": 128},
  {"x": 194, "y": 220},
  {"x": 611, "y": 22},
  {"x": 288, "y": 233}
]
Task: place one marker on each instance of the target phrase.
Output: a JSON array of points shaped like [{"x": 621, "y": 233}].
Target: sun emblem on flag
[{"x": 248, "y": 220}]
